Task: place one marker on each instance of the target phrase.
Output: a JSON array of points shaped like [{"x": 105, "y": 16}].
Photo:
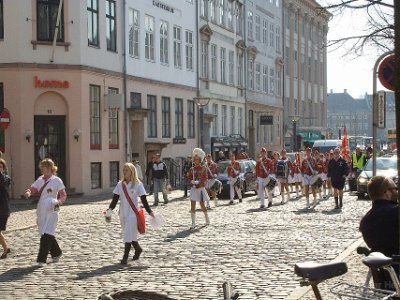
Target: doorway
[{"x": 50, "y": 143}]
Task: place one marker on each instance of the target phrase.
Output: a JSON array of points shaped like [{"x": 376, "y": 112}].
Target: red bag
[{"x": 141, "y": 220}]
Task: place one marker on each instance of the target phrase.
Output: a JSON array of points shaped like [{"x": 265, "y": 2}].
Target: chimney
[{"x": 345, "y": 91}]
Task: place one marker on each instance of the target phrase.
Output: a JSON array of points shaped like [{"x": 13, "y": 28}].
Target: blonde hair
[
  {"x": 3, "y": 162},
  {"x": 48, "y": 163},
  {"x": 132, "y": 168}
]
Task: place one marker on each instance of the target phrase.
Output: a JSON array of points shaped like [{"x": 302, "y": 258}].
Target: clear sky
[{"x": 349, "y": 72}]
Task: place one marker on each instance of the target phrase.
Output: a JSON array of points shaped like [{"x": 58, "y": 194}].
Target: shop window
[
  {"x": 111, "y": 25},
  {"x": 114, "y": 173},
  {"x": 95, "y": 121},
  {"x": 93, "y": 22},
  {"x": 1, "y": 20},
  {"x": 95, "y": 175},
  {"x": 113, "y": 132},
  {"x": 47, "y": 11}
]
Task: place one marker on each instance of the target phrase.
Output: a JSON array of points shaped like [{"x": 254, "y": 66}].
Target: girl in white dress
[
  {"x": 52, "y": 194},
  {"x": 135, "y": 189}
]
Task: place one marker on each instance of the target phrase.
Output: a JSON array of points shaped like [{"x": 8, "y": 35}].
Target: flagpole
[{"x": 56, "y": 30}]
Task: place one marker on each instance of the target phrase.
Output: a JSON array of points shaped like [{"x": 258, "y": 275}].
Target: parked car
[
  {"x": 385, "y": 166},
  {"x": 247, "y": 174}
]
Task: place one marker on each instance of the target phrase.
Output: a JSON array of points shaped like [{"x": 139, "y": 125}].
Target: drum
[
  {"x": 316, "y": 181},
  {"x": 270, "y": 182},
  {"x": 216, "y": 186}
]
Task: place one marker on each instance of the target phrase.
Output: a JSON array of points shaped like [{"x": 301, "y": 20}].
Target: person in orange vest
[
  {"x": 233, "y": 173},
  {"x": 263, "y": 170}
]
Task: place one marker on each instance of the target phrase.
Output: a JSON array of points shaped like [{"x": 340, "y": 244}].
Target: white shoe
[
  {"x": 57, "y": 258},
  {"x": 40, "y": 264}
]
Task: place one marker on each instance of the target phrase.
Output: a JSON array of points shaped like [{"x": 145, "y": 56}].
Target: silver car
[{"x": 385, "y": 166}]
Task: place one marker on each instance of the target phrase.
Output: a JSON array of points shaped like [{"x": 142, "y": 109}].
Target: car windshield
[
  {"x": 245, "y": 166},
  {"x": 382, "y": 163}
]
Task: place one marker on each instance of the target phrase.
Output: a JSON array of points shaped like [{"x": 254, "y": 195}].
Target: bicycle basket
[{"x": 360, "y": 292}]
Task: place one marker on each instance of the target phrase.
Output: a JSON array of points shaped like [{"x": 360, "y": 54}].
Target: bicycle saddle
[
  {"x": 377, "y": 260},
  {"x": 316, "y": 271}
]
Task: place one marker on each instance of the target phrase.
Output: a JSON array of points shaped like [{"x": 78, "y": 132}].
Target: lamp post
[
  {"x": 201, "y": 102},
  {"x": 295, "y": 119}
]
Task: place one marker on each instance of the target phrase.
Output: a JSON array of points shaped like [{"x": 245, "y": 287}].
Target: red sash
[{"x": 141, "y": 221}]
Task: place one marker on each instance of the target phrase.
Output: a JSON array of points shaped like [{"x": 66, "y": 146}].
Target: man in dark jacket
[
  {"x": 149, "y": 169},
  {"x": 159, "y": 175},
  {"x": 337, "y": 172},
  {"x": 380, "y": 226}
]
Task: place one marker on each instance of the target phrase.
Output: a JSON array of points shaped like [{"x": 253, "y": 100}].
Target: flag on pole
[{"x": 345, "y": 143}]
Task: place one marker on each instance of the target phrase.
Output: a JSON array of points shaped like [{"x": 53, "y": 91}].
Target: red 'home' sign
[{"x": 55, "y": 84}]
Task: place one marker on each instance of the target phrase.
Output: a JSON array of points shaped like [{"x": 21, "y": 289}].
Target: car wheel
[{"x": 360, "y": 195}]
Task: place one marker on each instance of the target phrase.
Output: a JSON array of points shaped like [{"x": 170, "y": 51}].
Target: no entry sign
[
  {"x": 386, "y": 72},
  {"x": 5, "y": 119}
]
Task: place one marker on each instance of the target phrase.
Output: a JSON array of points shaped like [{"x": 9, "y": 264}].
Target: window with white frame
[
  {"x": 191, "y": 121},
  {"x": 178, "y": 117},
  {"x": 92, "y": 22},
  {"x": 239, "y": 19},
  {"x": 278, "y": 39},
  {"x": 166, "y": 117},
  {"x": 278, "y": 83},
  {"x": 189, "y": 50},
  {"x": 265, "y": 79},
  {"x": 223, "y": 64},
  {"x": 204, "y": 59},
  {"x": 265, "y": 32},
  {"x": 149, "y": 38},
  {"x": 271, "y": 80},
  {"x": 164, "y": 42},
  {"x": 224, "y": 120},
  {"x": 213, "y": 62},
  {"x": 134, "y": 30},
  {"x": 203, "y": 8},
  {"x": 258, "y": 76},
  {"x": 46, "y": 19},
  {"x": 152, "y": 116},
  {"x": 258, "y": 28},
  {"x": 231, "y": 67},
  {"x": 213, "y": 6},
  {"x": 250, "y": 24},
  {"x": 95, "y": 120},
  {"x": 240, "y": 70},
  {"x": 230, "y": 14},
  {"x": 177, "y": 46},
  {"x": 240, "y": 120},
  {"x": 215, "y": 121},
  {"x": 272, "y": 34},
  {"x": 111, "y": 25},
  {"x": 251, "y": 74},
  {"x": 232, "y": 119},
  {"x": 113, "y": 135},
  {"x": 221, "y": 12}
]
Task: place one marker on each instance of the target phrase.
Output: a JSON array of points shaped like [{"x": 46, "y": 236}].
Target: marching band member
[
  {"x": 263, "y": 167},
  {"x": 307, "y": 169},
  {"x": 295, "y": 175},
  {"x": 52, "y": 195},
  {"x": 233, "y": 173},
  {"x": 213, "y": 172},
  {"x": 198, "y": 177},
  {"x": 282, "y": 173}
]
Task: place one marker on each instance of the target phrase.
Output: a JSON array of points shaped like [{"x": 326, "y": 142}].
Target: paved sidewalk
[{"x": 254, "y": 249}]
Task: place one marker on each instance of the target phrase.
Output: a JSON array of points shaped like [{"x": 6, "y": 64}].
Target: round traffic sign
[
  {"x": 4, "y": 119},
  {"x": 386, "y": 72}
]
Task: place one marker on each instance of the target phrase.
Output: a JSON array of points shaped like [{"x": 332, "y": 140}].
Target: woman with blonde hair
[
  {"x": 52, "y": 194},
  {"x": 128, "y": 190},
  {"x": 4, "y": 206}
]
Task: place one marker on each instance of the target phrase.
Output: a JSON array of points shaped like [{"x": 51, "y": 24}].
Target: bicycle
[{"x": 313, "y": 273}]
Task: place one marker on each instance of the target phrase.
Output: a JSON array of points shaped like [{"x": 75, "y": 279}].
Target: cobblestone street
[{"x": 253, "y": 249}]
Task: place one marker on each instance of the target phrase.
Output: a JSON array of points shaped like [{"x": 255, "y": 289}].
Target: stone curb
[{"x": 300, "y": 292}]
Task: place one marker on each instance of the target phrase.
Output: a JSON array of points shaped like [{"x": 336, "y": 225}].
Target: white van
[{"x": 324, "y": 146}]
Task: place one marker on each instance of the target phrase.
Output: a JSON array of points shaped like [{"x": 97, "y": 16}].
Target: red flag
[{"x": 345, "y": 143}]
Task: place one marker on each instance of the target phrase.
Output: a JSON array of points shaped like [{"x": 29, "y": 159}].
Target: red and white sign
[{"x": 4, "y": 119}]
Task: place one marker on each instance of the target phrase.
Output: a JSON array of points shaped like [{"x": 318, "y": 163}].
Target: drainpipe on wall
[
  {"x": 245, "y": 71},
  {"x": 283, "y": 79},
  {"x": 125, "y": 86},
  {"x": 198, "y": 76}
]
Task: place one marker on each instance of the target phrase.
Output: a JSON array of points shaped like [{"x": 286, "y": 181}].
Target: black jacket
[
  {"x": 159, "y": 171},
  {"x": 337, "y": 169},
  {"x": 5, "y": 181},
  {"x": 380, "y": 227}
]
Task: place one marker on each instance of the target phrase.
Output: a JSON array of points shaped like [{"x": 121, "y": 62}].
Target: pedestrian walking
[
  {"x": 233, "y": 171},
  {"x": 159, "y": 175},
  {"x": 263, "y": 168},
  {"x": 52, "y": 194},
  {"x": 198, "y": 177},
  {"x": 308, "y": 170},
  {"x": 5, "y": 211},
  {"x": 128, "y": 190},
  {"x": 328, "y": 157},
  {"x": 149, "y": 171},
  {"x": 282, "y": 174},
  {"x": 338, "y": 171},
  {"x": 213, "y": 172},
  {"x": 186, "y": 167},
  {"x": 320, "y": 170},
  {"x": 138, "y": 169}
]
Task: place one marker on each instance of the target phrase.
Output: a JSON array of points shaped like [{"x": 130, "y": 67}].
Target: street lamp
[
  {"x": 201, "y": 102},
  {"x": 295, "y": 119}
]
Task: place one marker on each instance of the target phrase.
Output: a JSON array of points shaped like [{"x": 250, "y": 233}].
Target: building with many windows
[
  {"x": 65, "y": 95},
  {"x": 305, "y": 92}
]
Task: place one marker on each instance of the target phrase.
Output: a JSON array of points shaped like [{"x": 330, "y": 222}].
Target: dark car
[
  {"x": 247, "y": 174},
  {"x": 385, "y": 166}
]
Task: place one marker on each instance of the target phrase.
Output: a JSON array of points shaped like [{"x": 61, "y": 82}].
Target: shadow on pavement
[
  {"x": 183, "y": 234},
  {"x": 17, "y": 273},
  {"x": 331, "y": 212},
  {"x": 305, "y": 211},
  {"x": 253, "y": 210},
  {"x": 106, "y": 270}
]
